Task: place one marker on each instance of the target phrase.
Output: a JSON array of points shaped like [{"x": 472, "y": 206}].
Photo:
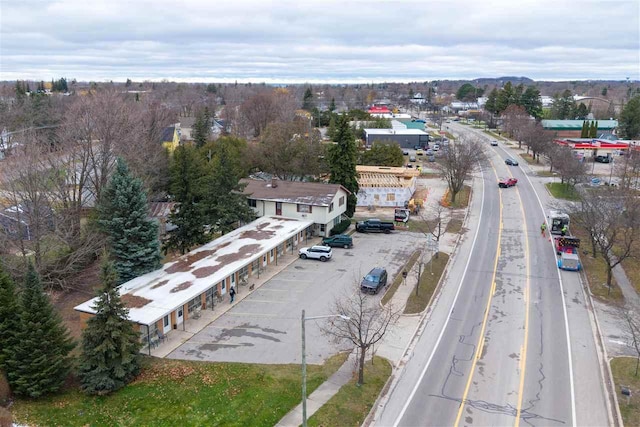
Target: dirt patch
[
  {"x": 243, "y": 252},
  {"x": 134, "y": 301},
  {"x": 159, "y": 284},
  {"x": 260, "y": 233},
  {"x": 185, "y": 263},
  {"x": 206, "y": 271},
  {"x": 181, "y": 287}
]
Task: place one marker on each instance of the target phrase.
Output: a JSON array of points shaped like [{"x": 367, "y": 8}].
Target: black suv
[{"x": 374, "y": 281}]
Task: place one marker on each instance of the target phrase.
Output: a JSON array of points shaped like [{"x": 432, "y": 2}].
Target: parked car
[
  {"x": 374, "y": 281},
  {"x": 432, "y": 158},
  {"x": 375, "y": 225},
  {"x": 511, "y": 162},
  {"x": 416, "y": 147},
  {"x": 603, "y": 159},
  {"x": 409, "y": 165},
  {"x": 322, "y": 253},
  {"x": 339, "y": 240},
  {"x": 412, "y": 158},
  {"x": 405, "y": 152},
  {"x": 419, "y": 152},
  {"x": 507, "y": 182},
  {"x": 494, "y": 143}
]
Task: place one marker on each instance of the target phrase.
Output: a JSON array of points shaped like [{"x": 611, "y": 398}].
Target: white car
[
  {"x": 323, "y": 253},
  {"x": 494, "y": 143}
]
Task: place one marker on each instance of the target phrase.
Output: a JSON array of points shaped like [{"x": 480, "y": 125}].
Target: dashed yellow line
[{"x": 480, "y": 345}]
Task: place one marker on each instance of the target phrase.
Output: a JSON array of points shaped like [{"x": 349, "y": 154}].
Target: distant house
[
  {"x": 159, "y": 212},
  {"x": 573, "y": 128},
  {"x": 186, "y": 127},
  {"x": 16, "y": 222},
  {"x": 384, "y": 186},
  {"x": 324, "y": 204},
  {"x": 418, "y": 99},
  {"x": 170, "y": 138}
]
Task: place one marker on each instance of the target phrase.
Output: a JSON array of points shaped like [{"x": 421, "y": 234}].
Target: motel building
[{"x": 166, "y": 299}]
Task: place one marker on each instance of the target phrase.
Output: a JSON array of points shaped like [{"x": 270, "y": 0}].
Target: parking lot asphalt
[{"x": 265, "y": 326}]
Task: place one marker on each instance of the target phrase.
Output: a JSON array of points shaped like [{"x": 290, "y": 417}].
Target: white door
[
  {"x": 264, "y": 260},
  {"x": 180, "y": 316},
  {"x": 166, "y": 324}
]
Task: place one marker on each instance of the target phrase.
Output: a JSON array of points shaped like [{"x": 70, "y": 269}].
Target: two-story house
[{"x": 324, "y": 204}]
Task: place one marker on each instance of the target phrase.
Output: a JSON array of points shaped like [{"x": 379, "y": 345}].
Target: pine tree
[
  {"x": 594, "y": 130},
  {"x": 110, "y": 345},
  {"x": 188, "y": 218},
  {"x": 201, "y": 128},
  {"x": 307, "y": 100},
  {"x": 133, "y": 237},
  {"x": 342, "y": 162},
  {"x": 332, "y": 106},
  {"x": 8, "y": 316},
  {"x": 585, "y": 130},
  {"x": 39, "y": 361}
]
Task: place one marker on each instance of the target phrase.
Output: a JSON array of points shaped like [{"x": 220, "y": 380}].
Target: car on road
[
  {"x": 323, "y": 253},
  {"x": 339, "y": 240},
  {"x": 405, "y": 152},
  {"x": 374, "y": 281},
  {"x": 436, "y": 147},
  {"x": 412, "y": 158},
  {"x": 419, "y": 152},
  {"x": 494, "y": 143},
  {"x": 429, "y": 152},
  {"x": 507, "y": 182},
  {"x": 603, "y": 159},
  {"x": 511, "y": 162}
]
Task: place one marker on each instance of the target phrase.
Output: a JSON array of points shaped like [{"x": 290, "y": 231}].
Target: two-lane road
[{"x": 497, "y": 347}]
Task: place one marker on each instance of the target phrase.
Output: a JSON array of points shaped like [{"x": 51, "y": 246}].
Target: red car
[{"x": 507, "y": 182}]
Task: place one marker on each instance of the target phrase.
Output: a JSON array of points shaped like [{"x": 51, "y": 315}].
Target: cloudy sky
[{"x": 318, "y": 41}]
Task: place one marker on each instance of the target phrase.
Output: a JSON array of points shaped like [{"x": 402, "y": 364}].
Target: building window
[
  {"x": 252, "y": 202},
  {"x": 194, "y": 304},
  {"x": 391, "y": 197},
  {"x": 331, "y": 207},
  {"x": 336, "y": 221},
  {"x": 271, "y": 254},
  {"x": 341, "y": 201},
  {"x": 223, "y": 285},
  {"x": 304, "y": 208},
  {"x": 165, "y": 321},
  {"x": 322, "y": 228}
]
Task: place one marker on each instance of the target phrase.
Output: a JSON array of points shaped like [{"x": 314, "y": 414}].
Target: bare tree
[
  {"x": 612, "y": 219},
  {"x": 515, "y": 120},
  {"x": 259, "y": 111},
  {"x": 627, "y": 168},
  {"x": 459, "y": 161},
  {"x": 537, "y": 139},
  {"x": 368, "y": 323},
  {"x": 571, "y": 169}
]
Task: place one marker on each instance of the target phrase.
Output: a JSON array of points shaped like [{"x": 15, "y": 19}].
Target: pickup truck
[
  {"x": 374, "y": 225},
  {"x": 507, "y": 182}
]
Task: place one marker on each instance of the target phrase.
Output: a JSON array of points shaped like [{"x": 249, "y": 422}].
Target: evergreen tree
[
  {"x": 331, "y": 131},
  {"x": 581, "y": 111},
  {"x": 342, "y": 159},
  {"x": 186, "y": 170},
  {"x": 307, "y": 100},
  {"x": 490, "y": 105},
  {"x": 110, "y": 346},
  {"x": 332, "y": 106},
  {"x": 594, "y": 130},
  {"x": 532, "y": 102},
  {"x": 223, "y": 202},
  {"x": 584, "y": 133},
  {"x": 202, "y": 128},
  {"x": 39, "y": 361},
  {"x": 564, "y": 106},
  {"x": 128, "y": 83},
  {"x": 629, "y": 122},
  {"x": 505, "y": 97},
  {"x": 123, "y": 215},
  {"x": 8, "y": 316}
]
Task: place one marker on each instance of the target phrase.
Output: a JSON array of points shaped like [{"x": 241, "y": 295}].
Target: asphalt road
[
  {"x": 265, "y": 326},
  {"x": 509, "y": 340}
]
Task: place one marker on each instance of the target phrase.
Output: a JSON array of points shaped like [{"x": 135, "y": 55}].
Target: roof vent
[{"x": 274, "y": 183}]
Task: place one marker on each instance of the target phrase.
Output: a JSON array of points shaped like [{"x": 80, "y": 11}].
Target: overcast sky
[{"x": 318, "y": 41}]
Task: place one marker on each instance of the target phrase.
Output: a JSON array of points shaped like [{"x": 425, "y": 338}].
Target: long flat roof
[
  {"x": 395, "y": 132},
  {"x": 154, "y": 295}
]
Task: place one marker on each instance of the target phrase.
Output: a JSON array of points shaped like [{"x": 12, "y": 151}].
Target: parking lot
[{"x": 265, "y": 326}]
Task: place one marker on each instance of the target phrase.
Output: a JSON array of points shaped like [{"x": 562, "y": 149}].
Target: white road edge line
[
  {"x": 564, "y": 310},
  {"x": 446, "y": 323}
]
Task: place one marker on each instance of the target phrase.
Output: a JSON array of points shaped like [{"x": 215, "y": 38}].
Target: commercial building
[
  {"x": 382, "y": 186},
  {"x": 406, "y": 138},
  {"x": 573, "y": 128}
]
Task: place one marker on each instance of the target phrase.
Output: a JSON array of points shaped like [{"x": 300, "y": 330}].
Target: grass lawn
[
  {"x": 596, "y": 270},
  {"x": 352, "y": 404},
  {"x": 454, "y": 226},
  {"x": 562, "y": 191},
  {"x": 174, "y": 392},
  {"x": 462, "y": 198},
  {"x": 624, "y": 370},
  {"x": 428, "y": 281},
  {"x": 398, "y": 279},
  {"x": 546, "y": 173}
]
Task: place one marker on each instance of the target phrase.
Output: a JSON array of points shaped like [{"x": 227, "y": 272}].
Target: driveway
[{"x": 265, "y": 326}]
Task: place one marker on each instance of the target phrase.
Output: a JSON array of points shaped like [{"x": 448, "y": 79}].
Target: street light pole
[{"x": 304, "y": 361}]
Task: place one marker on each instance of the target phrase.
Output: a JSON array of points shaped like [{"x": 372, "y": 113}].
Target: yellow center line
[
  {"x": 480, "y": 345},
  {"x": 527, "y": 299}
]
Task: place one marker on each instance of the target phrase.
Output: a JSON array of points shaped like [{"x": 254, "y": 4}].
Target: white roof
[
  {"x": 180, "y": 281},
  {"x": 395, "y": 132}
]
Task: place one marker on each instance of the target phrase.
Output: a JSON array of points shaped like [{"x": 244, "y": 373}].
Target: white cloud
[{"x": 287, "y": 41}]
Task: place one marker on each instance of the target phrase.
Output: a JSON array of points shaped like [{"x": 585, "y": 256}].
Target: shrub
[{"x": 341, "y": 227}]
